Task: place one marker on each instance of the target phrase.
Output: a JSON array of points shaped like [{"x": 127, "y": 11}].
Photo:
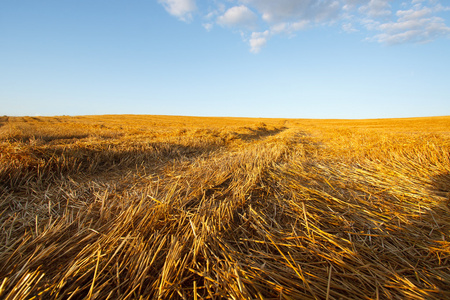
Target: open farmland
[{"x": 157, "y": 207}]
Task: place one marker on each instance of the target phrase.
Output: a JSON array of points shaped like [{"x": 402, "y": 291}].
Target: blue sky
[{"x": 249, "y": 58}]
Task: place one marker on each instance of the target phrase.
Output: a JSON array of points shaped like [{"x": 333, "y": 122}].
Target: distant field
[{"x": 159, "y": 207}]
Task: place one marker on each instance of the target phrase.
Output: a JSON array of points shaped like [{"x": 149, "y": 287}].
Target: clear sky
[{"x": 254, "y": 58}]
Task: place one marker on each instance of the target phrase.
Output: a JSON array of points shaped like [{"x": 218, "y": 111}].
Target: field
[{"x": 158, "y": 207}]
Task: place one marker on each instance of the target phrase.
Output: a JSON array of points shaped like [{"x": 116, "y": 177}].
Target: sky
[{"x": 241, "y": 58}]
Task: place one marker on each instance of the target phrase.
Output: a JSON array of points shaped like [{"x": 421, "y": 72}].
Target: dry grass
[{"x": 154, "y": 207}]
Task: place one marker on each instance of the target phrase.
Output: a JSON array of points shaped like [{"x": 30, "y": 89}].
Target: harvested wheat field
[{"x": 157, "y": 207}]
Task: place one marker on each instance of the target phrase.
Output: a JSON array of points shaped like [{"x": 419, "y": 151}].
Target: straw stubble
[{"x": 154, "y": 207}]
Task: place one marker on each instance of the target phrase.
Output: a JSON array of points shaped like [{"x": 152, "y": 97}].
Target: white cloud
[
  {"x": 352, "y": 4},
  {"x": 208, "y": 26},
  {"x": 414, "y": 25},
  {"x": 238, "y": 16},
  {"x": 412, "y": 14},
  {"x": 182, "y": 9},
  {"x": 384, "y": 21},
  {"x": 295, "y": 10},
  {"x": 289, "y": 28},
  {"x": 258, "y": 40},
  {"x": 348, "y": 27},
  {"x": 376, "y": 8},
  {"x": 280, "y": 10}
]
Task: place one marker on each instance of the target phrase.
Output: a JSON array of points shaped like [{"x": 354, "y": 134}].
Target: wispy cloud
[
  {"x": 182, "y": 9},
  {"x": 418, "y": 25},
  {"x": 238, "y": 16},
  {"x": 376, "y": 8},
  {"x": 258, "y": 40},
  {"x": 294, "y": 10},
  {"x": 208, "y": 26},
  {"x": 383, "y": 21}
]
